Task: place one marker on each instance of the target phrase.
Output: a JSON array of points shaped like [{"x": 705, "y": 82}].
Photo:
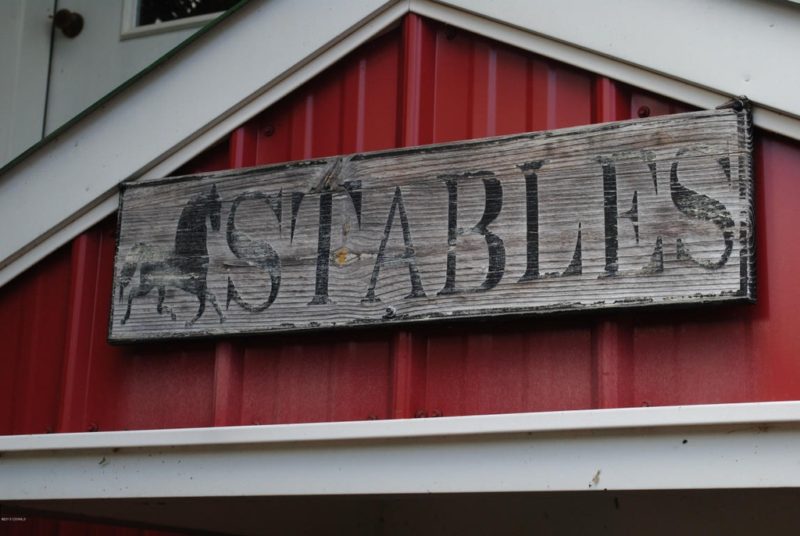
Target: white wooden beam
[
  {"x": 525, "y": 25},
  {"x": 741, "y": 47},
  {"x": 685, "y": 447}
]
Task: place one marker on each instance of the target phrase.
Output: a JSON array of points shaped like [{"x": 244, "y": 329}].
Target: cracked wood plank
[{"x": 637, "y": 213}]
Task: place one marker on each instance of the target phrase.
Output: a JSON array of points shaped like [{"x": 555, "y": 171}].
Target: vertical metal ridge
[
  {"x": 414, "y": 128},
  {"x": 25, "y": 381},
  {"x": 77, "y": 355},
  {"x": 415, "y": 95},
  {"x": 307, "y": 150},
  {"x": 408, "y": 353},
  {"x": 243, "y": 146},
  {"x": 11, "y": 299},
  {"x": 551, "y": 92},
  {"x": 491, "y": 93},
  {"x": 777, "y": 199},
  {"x": 38, "y": 374},
  {"x": 361, "y": 111},
  {"x": 611, "y": 337},
  {"x": 228, "y": 376},
  {"x": 530, "y": 96},
  {"x": 228, "y": 355}
]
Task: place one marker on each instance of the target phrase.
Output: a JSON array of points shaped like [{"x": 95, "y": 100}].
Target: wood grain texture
[{"x": 636, "y": 213}]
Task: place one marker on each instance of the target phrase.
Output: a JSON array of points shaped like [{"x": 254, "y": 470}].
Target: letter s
[
  {"x": 262, "y": 254},
  {"x": 701, "y": 207}
]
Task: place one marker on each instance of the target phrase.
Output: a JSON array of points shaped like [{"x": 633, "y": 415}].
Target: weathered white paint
[
  {"x": 683, "y": 447},
  {"x": 740, "y": 47},
  {"x": 509, "y": 27}
]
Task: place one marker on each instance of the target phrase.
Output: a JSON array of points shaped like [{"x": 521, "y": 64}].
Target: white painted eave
[
  {"x": 733, "y": 47},
  {"x": 733, "y": 446},
  {"x": 593, "y": 39},
  {"x": 696, "y": 51}
]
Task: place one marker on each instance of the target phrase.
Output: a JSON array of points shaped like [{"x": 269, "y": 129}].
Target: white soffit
[
  {"x": 732, "y": 446},
  {"x": 195, "y": 98},
  {"x": 733, "y": 47}
]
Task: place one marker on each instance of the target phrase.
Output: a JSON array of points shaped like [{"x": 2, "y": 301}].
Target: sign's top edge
[{"x": 728, "y": 109}]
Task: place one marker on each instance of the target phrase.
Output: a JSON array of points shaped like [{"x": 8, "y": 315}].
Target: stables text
[{"x": 638, "y": 213}]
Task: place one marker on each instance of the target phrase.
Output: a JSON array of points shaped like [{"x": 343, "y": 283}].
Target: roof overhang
[
  {"x": 173, "y": 112},
  {"x": 732, "y": 447}
]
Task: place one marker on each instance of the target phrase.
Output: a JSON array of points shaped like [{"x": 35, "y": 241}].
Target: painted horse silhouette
[{"x": 185, "y": 267}]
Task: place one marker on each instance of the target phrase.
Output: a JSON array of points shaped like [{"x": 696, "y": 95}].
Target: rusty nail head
[
  {"x": 644, "y": 111},
  {"x": 269, "y": 130},
  {"x": 92, "y": 427},
  {"x": 420, "y": 414}
]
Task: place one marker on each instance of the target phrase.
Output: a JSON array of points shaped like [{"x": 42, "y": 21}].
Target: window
[
  {"x": 157, "y": 11},
  {"x": 145, "y": 17}
]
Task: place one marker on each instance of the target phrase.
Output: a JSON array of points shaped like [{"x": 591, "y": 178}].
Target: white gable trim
[
  {"x": 184, "y": 106},
  {"x": 728, "y": 446},
  {"x": 507, "y": 25},
  {"x": 741, "y": 47}
]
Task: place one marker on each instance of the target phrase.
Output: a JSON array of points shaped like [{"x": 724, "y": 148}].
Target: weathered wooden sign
[{"x": 645, "y": 212}]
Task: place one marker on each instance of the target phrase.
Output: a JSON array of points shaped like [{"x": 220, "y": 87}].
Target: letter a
[{"x": 409, "y": 255}]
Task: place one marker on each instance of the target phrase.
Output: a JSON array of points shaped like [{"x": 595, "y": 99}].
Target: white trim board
[
  {"x": 739, "y": 47},
  {"x": 644, "y": 77},
  {"x": 152, "y": 127},
  {"x": 730, "y": 446}
]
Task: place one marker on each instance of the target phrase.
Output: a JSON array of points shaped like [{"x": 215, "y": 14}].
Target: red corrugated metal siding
[
  {"x": 420, "y": 83},
  {"x": 417, "y": 84},
  {"x": 33, "y": 314}
]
